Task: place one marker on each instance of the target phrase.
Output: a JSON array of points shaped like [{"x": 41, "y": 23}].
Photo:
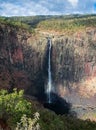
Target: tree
[{"x": 13, "y": 105}]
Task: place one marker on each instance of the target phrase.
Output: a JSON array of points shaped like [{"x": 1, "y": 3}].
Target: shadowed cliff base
[{"x": 58, "y": 105}]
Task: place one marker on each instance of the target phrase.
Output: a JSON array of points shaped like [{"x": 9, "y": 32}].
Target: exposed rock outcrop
[
  {"x": 22, "y": 57},
  {"x": 74, "y": 68}
]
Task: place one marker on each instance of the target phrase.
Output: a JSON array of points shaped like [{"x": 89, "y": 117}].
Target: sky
[{"x": 46, "y": 7}]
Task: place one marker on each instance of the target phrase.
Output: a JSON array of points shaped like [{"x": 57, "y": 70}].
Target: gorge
[{"x": 38, "y": 62}]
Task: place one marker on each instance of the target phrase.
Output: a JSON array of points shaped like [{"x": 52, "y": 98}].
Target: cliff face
[
  {"x": 22, "y": 57},
  {"x": 74, "y": 69},
  {"x": 24, "y": 64},
  {"x": 74, "y": 57}
]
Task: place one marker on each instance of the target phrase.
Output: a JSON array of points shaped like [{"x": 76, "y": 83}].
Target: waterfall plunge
[
  {"x": 54, "y": 102},
  {"x": 49, "y": 85}
]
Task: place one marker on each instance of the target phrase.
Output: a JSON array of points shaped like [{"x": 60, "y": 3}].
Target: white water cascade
[{"x": 49, "y": 85}]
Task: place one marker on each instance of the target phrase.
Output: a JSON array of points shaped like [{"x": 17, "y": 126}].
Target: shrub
[
  {"x": 13, "y": 105},
  {"x": 28, "y": 123}
]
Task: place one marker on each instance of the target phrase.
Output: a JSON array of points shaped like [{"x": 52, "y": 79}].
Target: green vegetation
[
  {"x": 68, "y": 24},
  {"x": 30, "y": 20},
  {"x": 28, "y": 123},
  {"x": 27, "y": 22},
  {"x": 14, "y": 108},
  {"x": 13, "y": 105},
  {"x": 16, "y": 24},
  {"x": 51, "y": 121}
]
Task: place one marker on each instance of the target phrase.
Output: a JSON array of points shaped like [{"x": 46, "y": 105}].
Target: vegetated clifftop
[{"x": 21, "y": 59}]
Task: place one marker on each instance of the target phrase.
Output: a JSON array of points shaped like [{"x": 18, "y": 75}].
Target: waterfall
[
  {"x": 49, "y": 85},
  {"x": 10, "y": 57}
]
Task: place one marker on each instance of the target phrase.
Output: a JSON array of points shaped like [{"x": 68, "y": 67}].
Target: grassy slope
[
  {"x": 63, "y": 24},
  {"x": 68, "y": 24}
]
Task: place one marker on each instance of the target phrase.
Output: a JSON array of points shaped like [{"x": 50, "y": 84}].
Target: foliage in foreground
[
  {"x": 28, "y": 123},
  {"x": 51, "y": 121},
  {"x": 15, "y": 109},
  {"x": 13, "y": 105}
]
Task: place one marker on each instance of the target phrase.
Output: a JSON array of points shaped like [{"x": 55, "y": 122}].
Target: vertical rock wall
[
  {"x": 22, "y": 58},
  {"x": 74, "y": 69}
]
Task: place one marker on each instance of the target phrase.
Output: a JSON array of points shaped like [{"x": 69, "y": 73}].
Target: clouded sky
[{"x": 46, "y": 7}]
